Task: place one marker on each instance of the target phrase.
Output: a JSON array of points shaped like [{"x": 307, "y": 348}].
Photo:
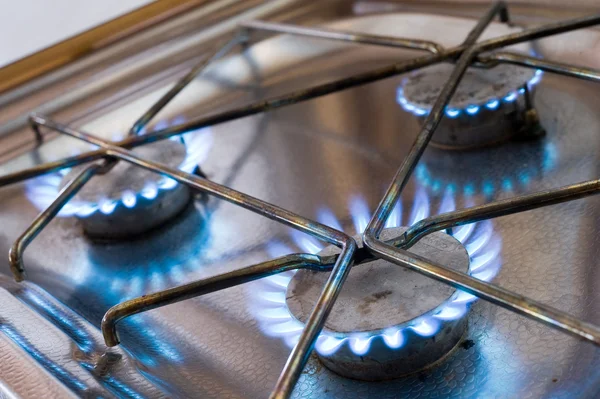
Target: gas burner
[
  {"x": 384, "y": 326},
  {"x": 128, "y": 200},
  {"x": 383, "y": 299},
  {"x": 489, "y": 106},
  {"x": 115, "y": 211}
]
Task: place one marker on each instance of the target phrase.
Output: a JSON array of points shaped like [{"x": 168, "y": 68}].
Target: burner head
[
  {"x": 379, "y": 297},
  {"x": 129, "y": 200},
  {"x": 488, "y": 107}
]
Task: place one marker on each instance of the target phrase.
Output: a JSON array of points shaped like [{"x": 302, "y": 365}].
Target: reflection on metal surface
[
  {"x": 78, "y": 358},
  {"x": 59, "y": 318},
  {"x": 269, "y": 305},
  {"x": 170, "y": 259},
  {"x": 351, "y": 37},
  {"x": 57, "y": 371},
  {"x": 437, "y": 171}
]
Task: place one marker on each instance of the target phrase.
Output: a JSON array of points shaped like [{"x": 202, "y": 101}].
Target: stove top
[{"x": 177, "y": 285}]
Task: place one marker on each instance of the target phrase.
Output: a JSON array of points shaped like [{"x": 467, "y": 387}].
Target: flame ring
[
  {"x": 42, "y": 190},
  {"x": 275, "y": 319}
]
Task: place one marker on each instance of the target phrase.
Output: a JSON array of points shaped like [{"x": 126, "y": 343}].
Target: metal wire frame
[
  {"x": 240, "y": 37},
  {"x": 15, "y": 254},
  {"x": 345, "y": 36},
  {"x": 219, "y": 51},
  {"x": 342, "y": 84},
  {"x": 300, "y": 353},
  {"x": 499, "y": 296},
  {"x": 205, "y": 286},
  {"x": 467, "y": 54}
]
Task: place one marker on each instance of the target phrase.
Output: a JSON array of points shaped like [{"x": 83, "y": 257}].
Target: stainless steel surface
[
  {"x": 202, "y": 287},
  {"x": 211, "y": 342},
  {"x": 69, "y": 359},
  {"x": 468, "y": 51},
  {"x": 496, "y": 209},
  {"x": 146, "y": 59}
]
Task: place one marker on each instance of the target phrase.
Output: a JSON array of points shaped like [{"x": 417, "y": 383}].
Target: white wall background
[{"x": 27, "y": 26}]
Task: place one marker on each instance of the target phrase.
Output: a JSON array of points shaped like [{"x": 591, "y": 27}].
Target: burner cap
[
  {"x": 379, "y": 297},
  {"x": 129, "y": 200},
  {"x": 489, "y": 105}
]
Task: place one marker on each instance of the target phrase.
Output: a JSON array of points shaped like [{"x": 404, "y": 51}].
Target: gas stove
[{"x": 351, "y": 199}]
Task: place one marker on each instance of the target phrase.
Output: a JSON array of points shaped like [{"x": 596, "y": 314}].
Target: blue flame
[
  {"x": 420, "y": 208},
  {"x": 306, "y": 242},
  {"x": 511, "y": 97},
  {"x": 413, "y": 108},
  {"x": 493, "y": 104},
  {"x": 42, "y": 190},
  {"x": 426, "y": 326},
  {"x": 472, "y": 109},
  {"x": 107, "y": 206},
  {"x": 360, "y": 344},
  {"x": 537, "y": 78},
  {"x": 452, "y": 113},
  {"x": 150, "y": 191},
  {"x": 360, "y": 213},
  {"x": 129, "y": 199},
  {"x": 275, "y": 319},
  {"x": 327, "y": 217},
  {"x": 395, "y": 218},
  {"x": 277, "y": 249},
  {"x": 448, "y": 204},
  {"x": 328, "y": 345},
  {"x": 393, "y": 337}
]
